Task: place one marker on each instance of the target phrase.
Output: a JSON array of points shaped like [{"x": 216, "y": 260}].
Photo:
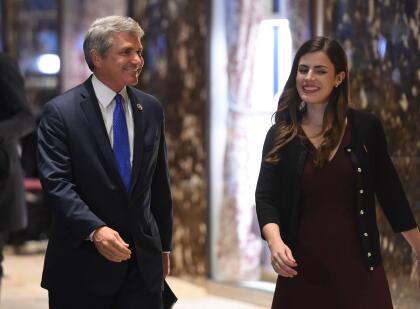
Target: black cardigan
[{"x": 278, "y": 193}]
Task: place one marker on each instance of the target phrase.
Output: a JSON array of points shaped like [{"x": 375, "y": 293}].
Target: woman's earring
[{"x": 302, "y": 106}]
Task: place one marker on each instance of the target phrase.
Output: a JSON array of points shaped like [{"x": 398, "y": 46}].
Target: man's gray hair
[{"x": 99, "y": 35}]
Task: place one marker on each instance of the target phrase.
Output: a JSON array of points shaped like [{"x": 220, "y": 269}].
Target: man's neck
[{"x": 108, "y": 83}]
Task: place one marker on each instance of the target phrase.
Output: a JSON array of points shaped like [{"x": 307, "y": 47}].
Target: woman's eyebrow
[{"x": 319, "y": 66}]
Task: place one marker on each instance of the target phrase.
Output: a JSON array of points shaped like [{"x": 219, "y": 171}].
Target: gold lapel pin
[{"x": 139, "y": 107}]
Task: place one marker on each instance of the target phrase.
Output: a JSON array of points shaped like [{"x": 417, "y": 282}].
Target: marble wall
[
  {"x": 382, "y": 40},
  {"x": 176, "y": 72}
]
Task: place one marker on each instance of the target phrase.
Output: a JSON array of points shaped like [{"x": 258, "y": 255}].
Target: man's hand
[
  {"x": 110, "y": 244},
  {"x": 166, "y": 264}
]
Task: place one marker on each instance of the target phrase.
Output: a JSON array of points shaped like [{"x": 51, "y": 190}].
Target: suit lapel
[
  {"x": 90, "y": 107},
  {"x": 138, "y": 119}
]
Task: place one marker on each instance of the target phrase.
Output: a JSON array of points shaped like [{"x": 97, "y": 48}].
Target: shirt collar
[{"x": 105, "y": 94}]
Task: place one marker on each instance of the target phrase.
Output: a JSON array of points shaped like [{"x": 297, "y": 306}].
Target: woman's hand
[{"x": 282, "y": 259}]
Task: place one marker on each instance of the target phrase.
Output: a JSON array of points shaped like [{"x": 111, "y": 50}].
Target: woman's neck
[{"x": 314, "y": 115}]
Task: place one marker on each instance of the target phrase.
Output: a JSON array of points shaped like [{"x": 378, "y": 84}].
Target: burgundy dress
[{"x": 331, "y": 270}]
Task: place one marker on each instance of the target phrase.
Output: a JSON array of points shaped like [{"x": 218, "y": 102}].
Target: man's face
[{"x": 122, "y": 63}]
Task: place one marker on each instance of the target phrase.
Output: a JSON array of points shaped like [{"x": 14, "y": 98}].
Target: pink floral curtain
[{"x": 239, "y": 243}]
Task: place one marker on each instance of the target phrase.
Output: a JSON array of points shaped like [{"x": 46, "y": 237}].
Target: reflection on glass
[
  {"x": 48, "y": 64},
  {"x": 37, "y": 35},
  {"x": 273, "y": 61}
]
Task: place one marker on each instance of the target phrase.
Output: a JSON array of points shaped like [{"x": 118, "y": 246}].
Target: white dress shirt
[{"x": 106, "y": 99}]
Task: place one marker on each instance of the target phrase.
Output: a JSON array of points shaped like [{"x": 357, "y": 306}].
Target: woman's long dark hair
[{"x": 289, "y": 115}]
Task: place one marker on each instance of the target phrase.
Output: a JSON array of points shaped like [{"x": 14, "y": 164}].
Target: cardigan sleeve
[
  {"x": 267, "y": 192},
  {"x": 388, "y": 187}
]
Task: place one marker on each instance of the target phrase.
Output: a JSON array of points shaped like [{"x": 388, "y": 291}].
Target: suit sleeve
[
  {"x": 55, "y": 168},
  {"x": 267, "y": 193},
  {"x": 17, "y": 119},
  {"x": 161, "y": 202},
  {"x": 388, "y": 188}
]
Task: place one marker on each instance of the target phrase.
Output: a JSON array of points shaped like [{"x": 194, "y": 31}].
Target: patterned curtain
[{"x": 239, "y": 243}]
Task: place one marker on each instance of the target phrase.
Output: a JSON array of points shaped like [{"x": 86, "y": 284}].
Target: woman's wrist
[{"x": 273, "y": 242}]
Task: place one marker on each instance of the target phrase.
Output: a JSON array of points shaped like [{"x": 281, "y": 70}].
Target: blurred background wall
[{"x": 218, "y": 67}]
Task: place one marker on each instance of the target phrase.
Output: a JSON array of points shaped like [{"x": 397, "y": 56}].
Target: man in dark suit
[
  {"x": 16, "y": 120},
  {"x": 103, "y": 168}
]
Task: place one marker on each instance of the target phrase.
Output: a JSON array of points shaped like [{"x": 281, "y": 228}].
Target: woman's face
[{"x": 316, "y": 78}]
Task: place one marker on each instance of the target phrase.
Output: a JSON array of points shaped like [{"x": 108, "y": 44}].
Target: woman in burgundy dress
[{"x": 323, "y": 164}]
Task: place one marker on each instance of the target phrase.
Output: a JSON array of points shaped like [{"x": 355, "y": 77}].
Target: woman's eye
[{"x": 303, "y": 71}]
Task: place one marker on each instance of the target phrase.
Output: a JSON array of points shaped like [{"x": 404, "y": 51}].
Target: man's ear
[{"x": 96, "y": 58}]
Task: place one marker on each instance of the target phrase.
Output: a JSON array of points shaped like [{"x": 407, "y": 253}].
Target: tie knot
[{"x": 119, "y": 99}]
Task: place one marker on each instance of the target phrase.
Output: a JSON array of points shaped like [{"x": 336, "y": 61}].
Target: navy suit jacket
[{"x": 83, "y": 187}]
